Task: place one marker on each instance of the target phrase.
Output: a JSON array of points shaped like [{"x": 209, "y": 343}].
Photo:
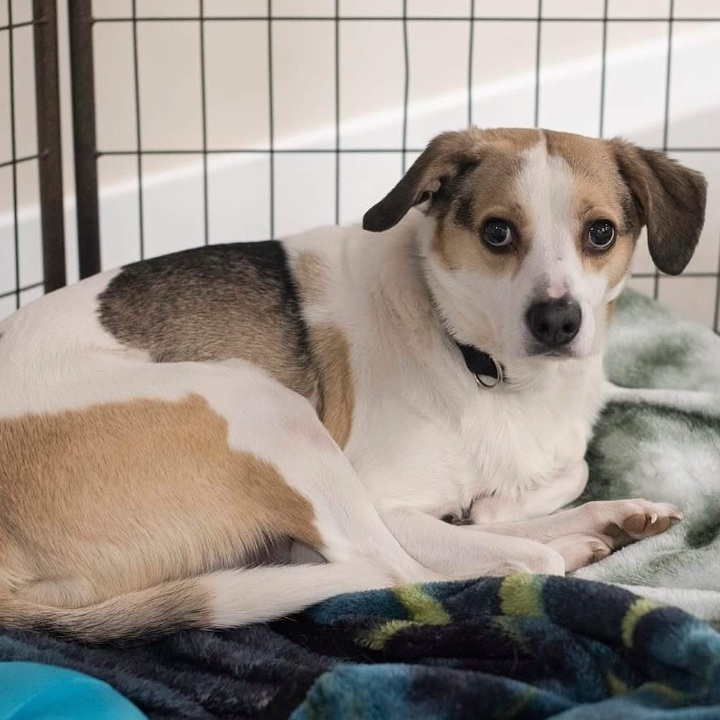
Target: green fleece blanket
[{"x": 660, "y": 439}]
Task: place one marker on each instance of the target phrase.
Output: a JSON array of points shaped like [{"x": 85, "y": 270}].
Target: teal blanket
[{"x": 523, "y": 647}]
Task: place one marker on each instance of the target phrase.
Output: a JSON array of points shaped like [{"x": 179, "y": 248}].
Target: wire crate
[{"x": 206, "y": 121}]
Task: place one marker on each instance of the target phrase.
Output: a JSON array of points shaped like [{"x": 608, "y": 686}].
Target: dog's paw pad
[{"x": 649, "y": 523}]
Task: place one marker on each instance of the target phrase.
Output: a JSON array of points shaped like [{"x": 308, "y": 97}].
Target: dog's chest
[
  {"x": 502, "y": 444},
  {"x": 521, "y": 444}
]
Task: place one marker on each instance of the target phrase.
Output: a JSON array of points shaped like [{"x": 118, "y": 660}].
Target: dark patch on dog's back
[{"x": 214, "y": 303}]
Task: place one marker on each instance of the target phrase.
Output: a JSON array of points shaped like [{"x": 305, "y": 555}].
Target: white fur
[{"x": 259, "y": 594}]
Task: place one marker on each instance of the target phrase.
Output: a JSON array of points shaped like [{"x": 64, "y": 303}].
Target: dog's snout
[{"x": 554, "y": 323}]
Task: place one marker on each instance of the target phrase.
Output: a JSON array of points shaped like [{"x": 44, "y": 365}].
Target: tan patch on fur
[
  {"x": 310, "y": 274},
  {"x": 600, "y": 193},
  {"x": 337, "y": 395},
  {"x": 610, "y": 311},
  {"x": 489, "y": 191},
  {"x": 330, "y": 352},
  {"x": 138, "y": 616},
  {"x": 124, "y": 496},
  {"x": 615, "y": 263}
]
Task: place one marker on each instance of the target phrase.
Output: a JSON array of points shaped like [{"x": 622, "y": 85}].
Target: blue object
[{"x": 31, "y": 691}]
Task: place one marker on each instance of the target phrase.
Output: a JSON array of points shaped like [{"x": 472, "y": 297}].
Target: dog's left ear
[
  {"x": 443, "y": 160},
  {"x": 670, "y": 200}
]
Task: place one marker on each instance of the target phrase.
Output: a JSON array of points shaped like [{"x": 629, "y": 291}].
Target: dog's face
[{"x": 531, "y": 233}]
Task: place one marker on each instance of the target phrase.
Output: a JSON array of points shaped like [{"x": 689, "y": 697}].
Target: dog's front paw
[
  {"x": 624, "y": 521},
  {"x": 544, "y": 560},
  {"x": 581, "y": 550}
]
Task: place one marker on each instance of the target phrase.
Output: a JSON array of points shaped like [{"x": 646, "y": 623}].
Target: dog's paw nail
[{"x": 653, "y": 518}]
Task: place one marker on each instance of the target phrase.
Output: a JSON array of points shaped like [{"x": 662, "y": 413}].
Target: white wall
[{"x": 372, "y": 82}]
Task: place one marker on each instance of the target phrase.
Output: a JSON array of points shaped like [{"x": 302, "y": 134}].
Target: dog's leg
[
  {"x": 592, "y": 531},
  {"x": 535, "y": 503},
  {"x": 457, "y": 553},
  {"x": 286, "y": 430}
]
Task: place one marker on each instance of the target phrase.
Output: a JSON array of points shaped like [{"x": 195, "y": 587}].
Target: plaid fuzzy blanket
[{"x": 519, "y": 647}]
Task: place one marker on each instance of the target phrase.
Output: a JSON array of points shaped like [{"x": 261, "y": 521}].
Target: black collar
[{"x": 488, "y": 372}]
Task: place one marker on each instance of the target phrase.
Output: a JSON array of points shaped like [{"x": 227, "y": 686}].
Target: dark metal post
[
  {"x": 49, "y": 144},
  {"x": 83, "y": 106}
]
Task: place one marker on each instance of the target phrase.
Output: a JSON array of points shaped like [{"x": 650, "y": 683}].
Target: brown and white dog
[{"x": 227, "y": 435}]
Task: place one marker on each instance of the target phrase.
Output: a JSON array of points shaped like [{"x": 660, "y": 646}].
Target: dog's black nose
[{"x": 554, "y": 323}]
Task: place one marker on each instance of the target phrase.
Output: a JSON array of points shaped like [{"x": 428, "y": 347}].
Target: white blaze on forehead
[{"x": 545, "y": 187}]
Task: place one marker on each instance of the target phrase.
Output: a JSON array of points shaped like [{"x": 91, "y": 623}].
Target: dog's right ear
[{"x": 442, "y": 161}]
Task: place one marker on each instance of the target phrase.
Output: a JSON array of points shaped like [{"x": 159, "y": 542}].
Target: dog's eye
[
  {"x": 497, "y": 233},
  {"x": 601, "y": 235}
]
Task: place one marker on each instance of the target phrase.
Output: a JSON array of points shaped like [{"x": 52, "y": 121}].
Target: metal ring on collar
[{"x": 481, "y": 380}]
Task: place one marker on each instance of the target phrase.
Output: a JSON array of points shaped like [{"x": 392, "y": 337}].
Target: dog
[{"x": 227, "y": 435}]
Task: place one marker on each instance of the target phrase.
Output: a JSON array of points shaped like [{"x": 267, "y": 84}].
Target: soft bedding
[
  {"x": 660, "y": 438},
  {"x": 517, "y": 647}
]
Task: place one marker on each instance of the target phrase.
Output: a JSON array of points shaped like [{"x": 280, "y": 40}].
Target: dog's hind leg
[
  {"x": 285, "y": 430},
  {"x": 156, "y": 480}
]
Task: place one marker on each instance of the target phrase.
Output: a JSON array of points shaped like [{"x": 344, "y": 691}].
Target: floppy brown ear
[
  {"x": 670, "y": 200},
  {"x": 443, "y": 160}
]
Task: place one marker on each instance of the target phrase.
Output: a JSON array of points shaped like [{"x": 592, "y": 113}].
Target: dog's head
[{"x": 530, "y": 233}]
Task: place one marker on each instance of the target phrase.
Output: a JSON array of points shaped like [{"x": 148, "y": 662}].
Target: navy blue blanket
[{"x": 520, "y": 647}]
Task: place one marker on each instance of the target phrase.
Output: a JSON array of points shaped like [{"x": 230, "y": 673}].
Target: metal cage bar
[
  {"x": 87, "y": 152},
  {"x": 43, "y": 25},
  {"x": 84, "y": 135},
  {"x": 47, "y": 93}
]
